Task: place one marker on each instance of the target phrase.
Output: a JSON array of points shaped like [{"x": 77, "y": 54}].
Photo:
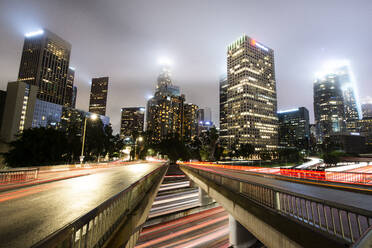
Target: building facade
[
  {"x": 44, "y": 63},
  {"x": 69, "y": 95},
  {"x": 74, "y": 96},
  {"x": 164, "y": 114},
  {"x": 294, "y": 128},
  {"x": 2, "y": 105},
  {"x": 190, "y": 121},
  {"x": 336, "y": 106},
  {"x": 251, "y": 95},
  {"x": 132, "y": 121},
  {"x": 19, "y": 109},
  {"x": 367, "y": 110},
  {"x": 223, "y": 112},
  {"x": 365, "y": 129},
  {"x": 98, "y": 95},
  {"x": 46, "y": 114}
]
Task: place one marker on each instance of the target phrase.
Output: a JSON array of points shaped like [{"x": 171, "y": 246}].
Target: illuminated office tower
[
  {"x": 223, "y": 112},
  {"x": 251, "y": 95},
  {"x": 44, "y": 63},
  {"x": 98, "y": 95},
  {"x": 70, "y": 87},
  {"x": 294, "y": 128},
  {"x": 164, "y": 114},
  {"x": 336, "y": 106},
  {"x": 328, "y": 106},
  {"x": 132, "y": 121},
  {"x": 367, "y": 110},
  {"x": 190, "y": 121}
]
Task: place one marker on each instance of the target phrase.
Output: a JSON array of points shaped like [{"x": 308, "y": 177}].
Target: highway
[
  {"x": 340, "y": 196},
  {"x": 32, "y": 213},
  {"x": 205, "y": 229}
]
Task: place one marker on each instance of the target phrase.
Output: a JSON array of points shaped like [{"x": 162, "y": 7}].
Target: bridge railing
[
  {"x": 340, "y": 221},
  {"x": 96, "y": 227},
  {"x": 19, "y": 175}
]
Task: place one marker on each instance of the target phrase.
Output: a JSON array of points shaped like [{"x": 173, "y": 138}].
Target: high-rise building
[
  {"x": 46, "y": 114},
  {"x": 336, "y": 107},
  {"x": 44, "y": 63},
  {"x": 132, "y": 121},
  {"x": 2, "y": 105},
  {"x": 223, "y": 112},
  {"x": 98, "y": 95},
  {"x": 251, "y": 95},
  {"x": 365, "y": 129},
  {"x": 74, "y": 96},
  {"x": 164, "y": 114},
  {"x": 19, "y": 109},
  {"x": 70, "y": 87},
  {"x": 367, "y": 110},
  {"x": 294, "y": 128},
  {"x": 190, "y": 121}
]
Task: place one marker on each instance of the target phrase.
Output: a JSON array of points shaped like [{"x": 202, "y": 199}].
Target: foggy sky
[{"x": 124, "y": 39}]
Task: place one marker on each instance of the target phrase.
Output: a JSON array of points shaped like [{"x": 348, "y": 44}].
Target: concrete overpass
[
  {"x": 287, "y": 212},
  {"x": 103, "y": 209}
]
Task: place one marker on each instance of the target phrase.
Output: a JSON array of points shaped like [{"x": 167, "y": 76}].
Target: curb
[{"x": 33, "y": 183}]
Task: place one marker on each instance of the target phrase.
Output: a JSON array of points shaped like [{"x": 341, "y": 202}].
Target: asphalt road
[
  {"x": 30, "y": 214},
  {"x": 342, "y": 197}
]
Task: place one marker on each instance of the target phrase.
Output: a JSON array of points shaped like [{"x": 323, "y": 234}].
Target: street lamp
[
  {"x": 92, "y": 117},
  {"x": 140, "y": 139}
]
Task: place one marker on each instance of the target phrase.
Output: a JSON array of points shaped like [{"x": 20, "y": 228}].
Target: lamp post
[
  {"x": 140, "y": 139},
  {"x": 92, "y": 117}
]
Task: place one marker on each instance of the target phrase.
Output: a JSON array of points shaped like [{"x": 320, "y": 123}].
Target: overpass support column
[
  {"x": 239, "y": 236},
  {"x": 204, "y": 198}
]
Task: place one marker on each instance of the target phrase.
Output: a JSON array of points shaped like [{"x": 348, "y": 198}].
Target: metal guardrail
[
  {"x": 342, "y": 222},
  {"x": 19, "y": 175},
  {"x": 331, "y": 176},
  {"x": 95, "y": 228}
]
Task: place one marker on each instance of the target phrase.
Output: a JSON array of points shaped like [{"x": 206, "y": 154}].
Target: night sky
[{"x": 124, "y": 40}]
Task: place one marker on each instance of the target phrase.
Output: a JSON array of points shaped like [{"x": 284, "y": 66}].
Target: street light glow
[
  {"x": 93, "y": 117},
  {"x": 164, "y": 61},
  {"x": 140, "y": 139}
]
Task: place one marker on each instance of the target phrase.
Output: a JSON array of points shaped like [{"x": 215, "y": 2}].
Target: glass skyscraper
[
  {"x": 251, "y": 95},
  {"x": 98, "y": 95},
  {"x": 44, "y": 63}
]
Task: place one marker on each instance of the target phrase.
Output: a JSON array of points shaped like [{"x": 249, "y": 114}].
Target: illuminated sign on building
[{"x": 256, "y": 44}]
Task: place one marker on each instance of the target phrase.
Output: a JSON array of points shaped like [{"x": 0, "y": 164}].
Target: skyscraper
[
  {"x": 2, "y": 105},
  {"x": 132, "y": 121},
  {"x": 294, "y": 128},
  {"x": 44, "y": 63},
  {"x": 336, "y": 105},
  {"x": 223, "y": 112},
  {"x": 164, "y": 114},
  {"x": 70, "y": 87},
  {"x": 74, "y": 96},
  {"x": 98, "y": 95},
  {"x": 190, "y": 121},
  {"x": 19, "y": 109},
  {"x": 367, "y": 110},
  {"x": 251, "y": 95}
]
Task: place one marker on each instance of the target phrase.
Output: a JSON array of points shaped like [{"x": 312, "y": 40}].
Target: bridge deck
[
  {"x": 352, "y": 199},
  {"x": 30, "y": 214}
]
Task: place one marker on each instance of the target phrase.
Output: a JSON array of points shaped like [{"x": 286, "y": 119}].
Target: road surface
[{"x": 30, "y": 214}]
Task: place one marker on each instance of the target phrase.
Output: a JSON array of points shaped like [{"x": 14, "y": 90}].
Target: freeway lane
[
  {"x": 30, "y": 214},
  {"x": 342, "y": 197}
]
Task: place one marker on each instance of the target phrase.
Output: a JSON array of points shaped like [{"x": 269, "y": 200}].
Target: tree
[
  {"x": 209, "y": 141},
  {"x": 38, "y": 146},
  {"x": 332, "y": 158},
  {"x": 246, "y": 150},
  {"x": 174, "y": 148}
]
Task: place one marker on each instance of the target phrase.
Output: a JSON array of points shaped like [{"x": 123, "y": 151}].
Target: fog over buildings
[{"x": 124, "y": 40}]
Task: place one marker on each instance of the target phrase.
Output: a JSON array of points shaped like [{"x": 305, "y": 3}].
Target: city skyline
[{"x": 198, "y": 65}]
